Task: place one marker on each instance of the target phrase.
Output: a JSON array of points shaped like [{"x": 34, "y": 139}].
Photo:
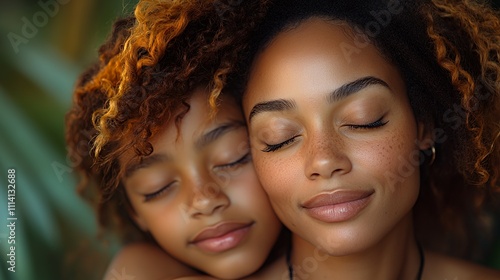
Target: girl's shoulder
[
  {"x": 145, "y": 261},
  {"x": 438, "y": 266}
]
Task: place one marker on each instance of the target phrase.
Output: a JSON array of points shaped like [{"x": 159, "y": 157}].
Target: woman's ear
[{"x": 424, "y": 136}]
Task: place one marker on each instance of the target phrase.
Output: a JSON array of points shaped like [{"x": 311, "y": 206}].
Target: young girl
[
  {"x": 374, "y": 131},
  {"x": 163, "y": 165}
]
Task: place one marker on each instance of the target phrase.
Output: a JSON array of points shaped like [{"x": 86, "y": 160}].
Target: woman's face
[
  {"x": 334, "y": 140},
  {"x": 198, "y": 194}
]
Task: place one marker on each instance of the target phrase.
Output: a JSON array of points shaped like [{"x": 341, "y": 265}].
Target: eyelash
[
  {"x": 373, "y": 125},
  {"x": 245, "y": 159},
  {"x": 275, "y": 147},
  {"x": 151, "y": 196}
]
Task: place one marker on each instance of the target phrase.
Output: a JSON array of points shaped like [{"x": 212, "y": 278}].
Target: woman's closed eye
[
  {"x": 375, "y": 124},
  {"x": 274, "y": 147}
]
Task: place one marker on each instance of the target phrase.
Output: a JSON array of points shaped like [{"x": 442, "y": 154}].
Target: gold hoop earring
[{"x": 433, "y": 156}]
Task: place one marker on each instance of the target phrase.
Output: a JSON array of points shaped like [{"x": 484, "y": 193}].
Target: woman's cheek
[{"x": 274, "y": 175}]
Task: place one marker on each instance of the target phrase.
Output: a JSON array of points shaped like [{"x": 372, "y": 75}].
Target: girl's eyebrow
[
  {"x": 203, "y": 141},
  {"x": 217, "y": 132},
  {"x": 338, "y": 94},
  {"x": 144, "y": 163}
]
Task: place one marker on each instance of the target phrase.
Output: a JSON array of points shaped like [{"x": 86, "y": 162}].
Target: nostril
[
  {"x": 313, "y": 176},
  {"x": 218, "y": 207}
]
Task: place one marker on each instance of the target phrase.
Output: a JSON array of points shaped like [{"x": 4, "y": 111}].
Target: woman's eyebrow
[
  {"x": 353, "y": 87},
  {"x": 336, "y": 95},
  {"x": 270, "y": 106}
]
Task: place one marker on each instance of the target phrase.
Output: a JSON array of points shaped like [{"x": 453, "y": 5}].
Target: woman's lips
[
  {"x": 221, "y": 237},
  {"x": 337, "y": 206}
]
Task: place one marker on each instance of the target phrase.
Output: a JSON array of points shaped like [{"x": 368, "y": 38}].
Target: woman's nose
[{"x": 325, "y": 156}]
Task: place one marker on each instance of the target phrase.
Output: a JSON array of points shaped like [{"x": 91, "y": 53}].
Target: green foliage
[{"x": 55, "y": 230}]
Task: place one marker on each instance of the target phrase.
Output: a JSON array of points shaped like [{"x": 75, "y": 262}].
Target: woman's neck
[{"x": 396, "y": 256}]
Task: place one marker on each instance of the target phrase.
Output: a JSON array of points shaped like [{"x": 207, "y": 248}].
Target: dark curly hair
[
  {"x": 448, "y": 54},
  {"x": 148, "y": 69}
]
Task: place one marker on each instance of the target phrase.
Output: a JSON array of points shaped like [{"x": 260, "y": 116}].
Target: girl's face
[
  {"x": 334, "y": 140},
  {"x": 198, "y": 195}
]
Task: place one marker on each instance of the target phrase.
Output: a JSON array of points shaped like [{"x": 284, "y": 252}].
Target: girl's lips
[
  {"x": 221, "y": 237},
  {"x": 337, "y": 206}
]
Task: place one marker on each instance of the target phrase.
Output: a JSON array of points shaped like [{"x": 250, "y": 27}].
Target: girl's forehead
[{"x": 195, "y": 115}]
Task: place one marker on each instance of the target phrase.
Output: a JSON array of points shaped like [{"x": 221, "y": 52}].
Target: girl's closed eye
[
  {"x": 150, "y": 196},
  {"x": 246, "y": 158}
]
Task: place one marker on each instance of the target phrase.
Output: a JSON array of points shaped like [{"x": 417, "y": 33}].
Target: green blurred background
[{"x": 55, "y": 230}]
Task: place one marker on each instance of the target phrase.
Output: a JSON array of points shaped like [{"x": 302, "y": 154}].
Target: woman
[{"x": 353, "y": 113}]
